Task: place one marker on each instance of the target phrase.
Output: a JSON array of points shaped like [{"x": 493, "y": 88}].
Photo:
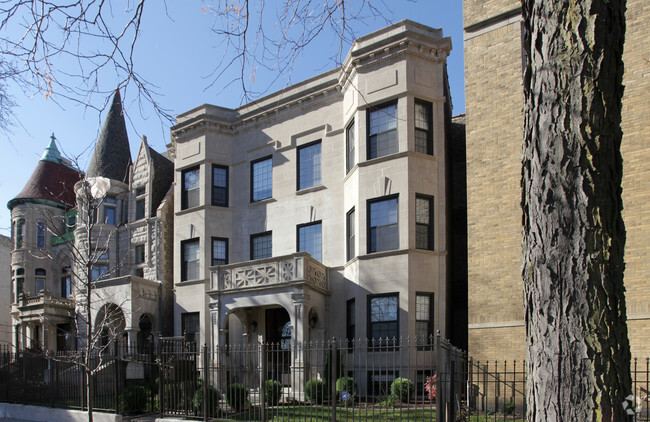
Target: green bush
[
  {"x": 315, "y": 390},
  {"x": 336, "y": 371},
  {"x": 237, "y": 396},
  {"x": 272, "y": 392},
  {"x": 402, "y": 390},
  {"x": 213, "y": 400},
  {"x": 346, "y": 384},
  {"x": 509, "y": 408},
  {"x": 135, "y": 398}
]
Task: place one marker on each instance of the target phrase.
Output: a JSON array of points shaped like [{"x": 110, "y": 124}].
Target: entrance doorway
[{"x": 278, "y": 339}]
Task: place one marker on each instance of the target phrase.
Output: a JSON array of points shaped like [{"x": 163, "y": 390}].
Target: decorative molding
[{"x": 274, "y": 272}]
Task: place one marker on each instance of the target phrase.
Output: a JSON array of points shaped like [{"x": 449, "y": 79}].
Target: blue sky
[{"x": 176, "y": 53}]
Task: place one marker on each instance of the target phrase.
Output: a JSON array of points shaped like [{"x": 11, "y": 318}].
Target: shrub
[
  {"x": 509, "y": 408},
  {"x": 237, "y": 396},
  {"x": 272, "y": 392},
  {"x": 213, "y": 400},
  {"x": 315, "y": 391},
  {"x": 135, "y": 398},
  {"x": 402, "y": 389},
  {"x": 336, "y": 370},
  {"x": 346, "y": 384}
]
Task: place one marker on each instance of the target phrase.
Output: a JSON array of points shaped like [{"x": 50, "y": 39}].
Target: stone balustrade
[{"x": 271, "y": 272}]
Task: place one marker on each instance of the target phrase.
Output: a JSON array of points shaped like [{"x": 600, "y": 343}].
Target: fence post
[
  {"x": 262, "y": 394},
  {"x": 116, "y": 388},
  {"x": 440, "y": 399},
  {"x": 332, "y": 377},
  {"x": 161, "y": 375},
  {"x": 51, "y": 377},
  {"x": 205, "y": 382}
]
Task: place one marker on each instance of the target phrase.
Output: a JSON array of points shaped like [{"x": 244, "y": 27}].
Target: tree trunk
[{"x": 573, "y": 236}]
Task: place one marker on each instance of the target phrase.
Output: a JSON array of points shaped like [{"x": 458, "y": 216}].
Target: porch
[
  {"x": 279, "y": 301},
  {"x": 43, "y": 322}
]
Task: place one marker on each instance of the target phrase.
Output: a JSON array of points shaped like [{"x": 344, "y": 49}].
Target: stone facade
[
  {"x": 5, "y": 290},
  {"x": 494, "y": 104},
  {"x": 129, "y": 225},
  {"x": 329, "y": 287}
]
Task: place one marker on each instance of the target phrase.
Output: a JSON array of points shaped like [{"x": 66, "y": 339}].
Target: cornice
[{"x": 325, "y": 87}]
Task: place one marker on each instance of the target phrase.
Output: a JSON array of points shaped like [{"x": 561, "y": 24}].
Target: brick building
[{"x": 494, "y": 122}]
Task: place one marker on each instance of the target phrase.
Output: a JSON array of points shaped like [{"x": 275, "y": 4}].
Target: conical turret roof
[
  {"x": 112, "y": 156},
  {"x": 51, "y": 183}
]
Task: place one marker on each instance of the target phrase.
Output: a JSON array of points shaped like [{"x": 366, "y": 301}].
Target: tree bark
[{"x": 573, "y": 235}]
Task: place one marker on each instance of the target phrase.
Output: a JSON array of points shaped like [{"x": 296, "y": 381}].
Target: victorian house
[{"x": 53, "y": 219}]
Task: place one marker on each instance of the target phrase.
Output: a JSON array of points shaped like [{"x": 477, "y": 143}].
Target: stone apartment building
[
  {"x": 494, "y": 122},
  {"x": 321, "y": 210},
  {"x": 131, "y": 229},
  {"x": 324, "y": 210}
]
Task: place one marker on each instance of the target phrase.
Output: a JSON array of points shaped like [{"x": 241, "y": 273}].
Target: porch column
[
  {"x": 216, "y": 331},
  {"x": 300, "y": 342},
  {"x": 131, "y": 340},
  {"x": 44, "y": 342}
]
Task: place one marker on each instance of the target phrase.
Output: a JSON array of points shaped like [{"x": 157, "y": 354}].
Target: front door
[{"x": 278, "y": 339}]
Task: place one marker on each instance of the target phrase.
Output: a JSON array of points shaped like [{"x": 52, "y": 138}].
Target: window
[
  {"x": 423, "y": 222},
  {"x": 309, "y": 240},
  {"x": 424, "y": 318},
  {"x": 109, "y": 211},
  {"x": 309, "y": 165},
  {"x": 99, "y": 272},
  {"x": 350, "y": 325},
  {"x": 139, "y": 254},
  {"x": 66, "y": 286},
  {"x": 383, "y": 319},
  {"x": 261, "y": 245},
  {"x": 190, "y": 188},
  {"x": 40, "y": 234},
  {"x": 19, "y": 283},
  {"x": 139, "y": 209},
  {"x": 261, "y": 179},
  {"x": 219, "y": 251},
  {"x": 423, "y": 127},
  {"x": 350, "y": 160},
  {"x": 39, "y": 284},
  {"x": 350, "y": 236},
  {"x": 220, "y": 186},
  {"x": 383, "y": 233},
  {"x": 140, "y": 203},
  {"x": 71, "y": 220},
  {"x": 190, "y": 259},
  {"x": 19, "y": 233},
  {"x": 139, "y": 272},
  {"x": 191, "y": 327},
  {"x": 285, "y": 336},
  {"x": 382, "y": 131}
]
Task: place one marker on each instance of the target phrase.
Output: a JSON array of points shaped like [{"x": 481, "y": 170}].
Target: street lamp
[{"x": 94, "y": 191}]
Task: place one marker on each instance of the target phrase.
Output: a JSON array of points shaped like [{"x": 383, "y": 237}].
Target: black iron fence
[
  {"x": 397, "y": 379},
  {"x": 327, "y": 380}
]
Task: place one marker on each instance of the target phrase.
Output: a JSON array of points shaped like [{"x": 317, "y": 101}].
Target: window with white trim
[{"x": 382, "y": 130}]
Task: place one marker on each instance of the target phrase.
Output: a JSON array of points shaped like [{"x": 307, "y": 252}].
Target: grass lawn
[{"x": 322, "y": 413}]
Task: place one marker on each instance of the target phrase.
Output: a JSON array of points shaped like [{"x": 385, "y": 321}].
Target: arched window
[{"x": 285, "y": 336}]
